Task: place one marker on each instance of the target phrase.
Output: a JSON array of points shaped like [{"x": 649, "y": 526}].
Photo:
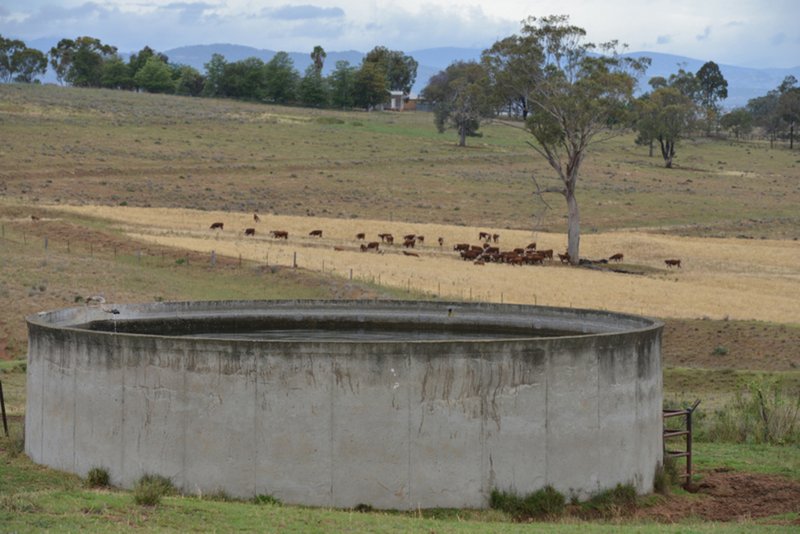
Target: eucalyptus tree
[
  {"x": 342, "y": 85},
  {"x": 282, "y": 79},
  {"x": 20, "y": 63},
  {"x": 80, "y": 61},
  {"x": 313, "y": 90},
  {"x": 664, "y": 115},
  {"x": 578, "y": 97},
  {"x": 712, "y": 87},
  {"x": 28, "y": 64},
  {"x": 461, "y": 98},
  {"x": 508, "y": 63},
  {"x": 739, "y": 121},
  {"x": 369, "y": 85},
  {"x": 400, "y": 70}
]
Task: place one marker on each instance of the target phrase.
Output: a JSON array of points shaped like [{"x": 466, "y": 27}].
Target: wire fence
[{"x": 155, "y": 256}]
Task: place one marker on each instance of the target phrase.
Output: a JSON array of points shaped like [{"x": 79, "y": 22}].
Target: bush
[
  {"x": 545, "y": 503},
  {"x": 149, "y": 489},
  {"x": 613, "y": 502},
  {"x": 266, "y": 499},
  {"x": 765, "y": 413},
  {"x": 666, "y": 476},
  {"x": 97, "y": 477}
]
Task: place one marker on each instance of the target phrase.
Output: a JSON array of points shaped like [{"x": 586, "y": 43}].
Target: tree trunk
[
  {"x": 651, "y": 147},
  {"x": 462, "y": 136},
  {"x": 574, "y": 227},
  {"x": 791, "y": 136}
]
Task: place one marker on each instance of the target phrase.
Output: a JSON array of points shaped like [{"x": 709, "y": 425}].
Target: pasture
[{"x": 125, "y": 187}]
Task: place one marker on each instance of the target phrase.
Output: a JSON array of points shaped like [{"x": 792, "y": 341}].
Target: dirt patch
[
  {"x": 719, "y": 344},
  {"x": 730, "y": 496}
]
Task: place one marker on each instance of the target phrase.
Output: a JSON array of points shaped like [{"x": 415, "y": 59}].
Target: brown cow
[
  {"x": 484, "y": 236},
  {"x": 409, "y": 236},
  {"x": 373, "y": 245},
  {"x": 441, "y": 241},
  {"x": 217, "y": 226},
  {"x": 617, "y": 257},
  {"x": 386, "y": 238},
  {"x": 461, "y": 246},
  {"x": 390, "y": 239},
  {"x": 256, "y": 218},
  {"x": 547, "y": 253},
  {"x": 534, "y": 258},
  {"x": 495, "y": 237},
  {"x": 34, "y": 218},
  {"x": 315, "y": 233},
  {"x": 249, "y": 231},
  {"x": 279, "y": 234},
  {"x": 421, "y": 238},
  {"x": 564, "y": 257},
  {"x": 409, "y": 243},
  {"x": 361, "y": 236},
  {"x": 471, "y": 254},
  {"x": 531, "y": 246},
  {"x": 673, "y": 263}
]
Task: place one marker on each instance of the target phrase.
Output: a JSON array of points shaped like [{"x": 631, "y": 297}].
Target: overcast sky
[{"x": 753, "y": 33}]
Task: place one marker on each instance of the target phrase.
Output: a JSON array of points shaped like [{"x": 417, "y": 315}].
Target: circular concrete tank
[{"x": 337, "y": 403}]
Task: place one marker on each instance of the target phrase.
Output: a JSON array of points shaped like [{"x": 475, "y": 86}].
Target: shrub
[
  {"x": 547, "y": 502},
  {"x": 720, "y": 350},
  {"x": 149, "y": 489},
  {"x": 97, "y": 477},
  {"x": 266, "y": 499},
  {"x": 765, "y": 413},
  {"x": 544, "y": 503},
  {"x": 613, "y": 502}
]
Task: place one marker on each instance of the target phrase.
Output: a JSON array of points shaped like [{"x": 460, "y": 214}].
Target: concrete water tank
[{"x": 339, "y": 403}]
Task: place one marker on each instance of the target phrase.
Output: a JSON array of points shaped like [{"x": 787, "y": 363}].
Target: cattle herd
[{"x": 485, "y": 252}]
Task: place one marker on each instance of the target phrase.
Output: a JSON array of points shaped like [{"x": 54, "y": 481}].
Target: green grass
[
  {"x": 35, "y": 499},
  {"x": 767, "y": 459},
  {"x": 78, "y": 145}
]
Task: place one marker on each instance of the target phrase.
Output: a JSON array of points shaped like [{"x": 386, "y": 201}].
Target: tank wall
[{"x": 337, "y": 424}]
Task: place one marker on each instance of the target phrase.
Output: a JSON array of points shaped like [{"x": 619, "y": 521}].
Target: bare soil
[{"x": 722, "y": 495}]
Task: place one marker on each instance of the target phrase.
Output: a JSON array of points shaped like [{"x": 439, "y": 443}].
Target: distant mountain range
[{"x": 744, "y": 83}]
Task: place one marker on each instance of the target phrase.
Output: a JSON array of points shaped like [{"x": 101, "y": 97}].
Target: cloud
[
  {"x": 52, "y": 13},
  {"x": 303, "y": 12},
  {"x": 703, "y": 36},
  {"x": 663, "y": 39},
  {"x": 191, "y": 12}
]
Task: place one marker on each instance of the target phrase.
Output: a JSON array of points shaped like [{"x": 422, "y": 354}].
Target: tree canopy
[
  {"x": 461, "y": 98},
  {"x": 80, "y": 61},
  {"x": 20, "y": 63},
  {"x": 400, "y": 70}
]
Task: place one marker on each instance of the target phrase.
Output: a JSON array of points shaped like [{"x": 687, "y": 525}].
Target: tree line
[
  {"x": 88, "y": 62},
  {"x": 510, "y": 73}
]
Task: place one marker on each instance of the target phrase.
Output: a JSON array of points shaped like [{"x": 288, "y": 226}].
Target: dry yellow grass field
[{"x": 733, "y": 278}]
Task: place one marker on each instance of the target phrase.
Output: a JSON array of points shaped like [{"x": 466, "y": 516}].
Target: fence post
[
  {"x": 351, "y": 274},
  {"x": 3, "y": 409},
  {"x": 45, "y": 242},
  {"x": 294, "y": 260},
  {"x": 213, "y": 257}
]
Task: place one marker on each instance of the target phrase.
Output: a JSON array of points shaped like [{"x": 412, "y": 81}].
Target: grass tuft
[
  {"x": 98, "y": 477},
  {"x": 149, "y": 489}
]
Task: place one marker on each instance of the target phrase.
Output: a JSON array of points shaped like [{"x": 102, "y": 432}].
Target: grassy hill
[{"x": 81, "y": 160}]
